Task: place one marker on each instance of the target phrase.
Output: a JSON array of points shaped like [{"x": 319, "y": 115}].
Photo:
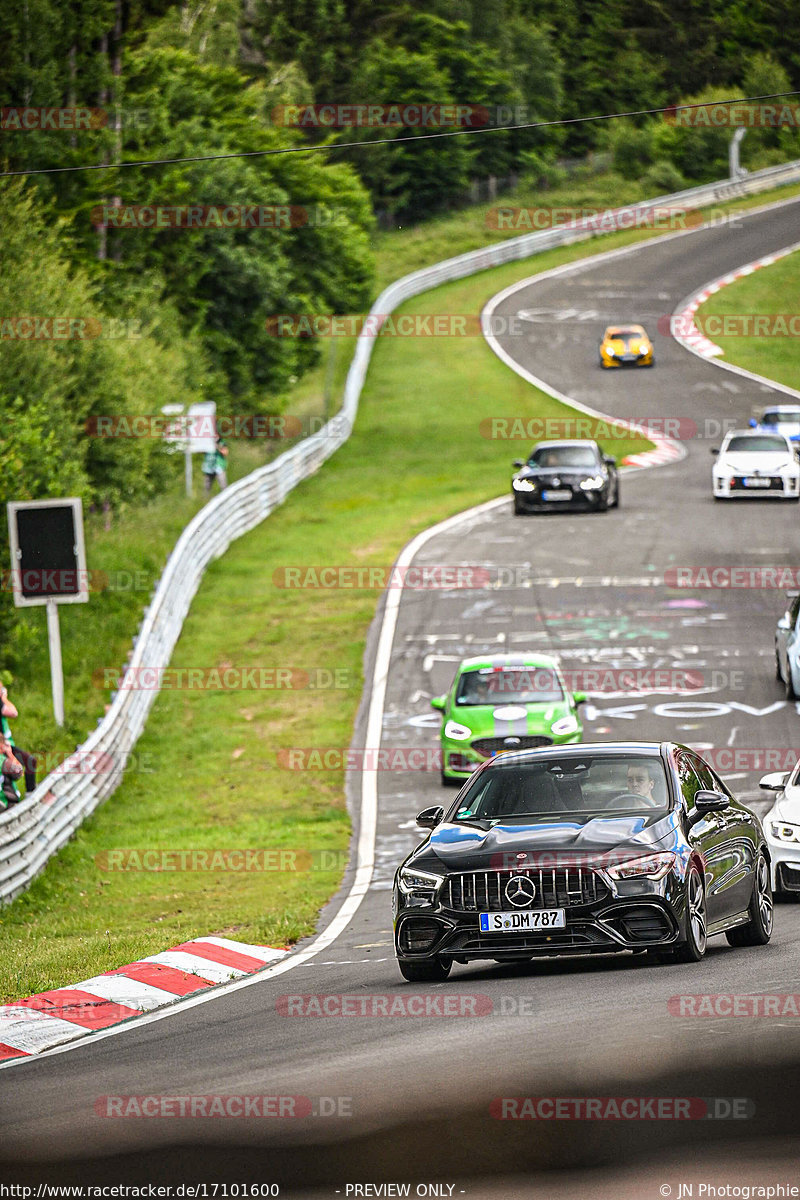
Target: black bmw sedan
[
  {"x": 592, "y": 848},
  {"x": 565, "y": 475}
]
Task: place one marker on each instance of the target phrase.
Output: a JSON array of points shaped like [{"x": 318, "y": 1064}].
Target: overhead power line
[{"x": 392, "y": 141}]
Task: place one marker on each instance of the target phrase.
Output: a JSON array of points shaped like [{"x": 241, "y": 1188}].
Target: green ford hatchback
[{"x": 504, "y": 702}]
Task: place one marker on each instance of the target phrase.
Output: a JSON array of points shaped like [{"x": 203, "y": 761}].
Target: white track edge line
[{"x": 369, "y": 791}]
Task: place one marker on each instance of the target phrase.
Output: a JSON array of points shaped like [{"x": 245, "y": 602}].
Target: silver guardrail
[{"x": 33, "y": 830}]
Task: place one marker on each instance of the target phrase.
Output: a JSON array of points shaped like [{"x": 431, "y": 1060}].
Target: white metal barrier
[{"x": 32, "y": 831}]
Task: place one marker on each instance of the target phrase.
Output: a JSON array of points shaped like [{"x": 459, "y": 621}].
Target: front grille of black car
[
  {"x": 493, "y": 745},
  {"x": 558, "y": 887}
]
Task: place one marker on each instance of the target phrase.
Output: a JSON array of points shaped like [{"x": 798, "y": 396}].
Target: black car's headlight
[
  {"x": 650, "y": 866},
  {"x": 411, "y": 879},
  {"x": 592, "y": 483},
  {"x": 522, "y": 485}
]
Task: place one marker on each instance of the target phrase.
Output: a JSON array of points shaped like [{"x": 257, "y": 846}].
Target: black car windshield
[
  {"x": 789, "y": 416},
  {"x": 520, "y": 685},
  {"x": 562, "y": 788},
  {"x": 564, "y": 456},
  {"x": 754, "y": 443}
]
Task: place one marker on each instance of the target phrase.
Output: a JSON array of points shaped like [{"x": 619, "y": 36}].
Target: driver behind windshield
[{"x": 641, "y": 780}]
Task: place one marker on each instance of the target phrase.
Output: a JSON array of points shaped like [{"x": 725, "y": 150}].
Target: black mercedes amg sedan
[
  {"x": 593, "y": 848},
  {"x": 565, "y": 475}
]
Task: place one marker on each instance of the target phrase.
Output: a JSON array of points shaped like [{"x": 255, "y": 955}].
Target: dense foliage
[{"x": 183, "y": 310}]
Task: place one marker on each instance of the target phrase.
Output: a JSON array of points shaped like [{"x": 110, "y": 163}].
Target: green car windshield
[
  {"x": 555, "y": 789},
  {"x": 521, "y": 685}
]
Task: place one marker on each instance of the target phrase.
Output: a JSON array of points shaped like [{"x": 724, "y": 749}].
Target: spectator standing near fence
[
  {"x": 10, "y": 772},
  {"x": 215, "y": 466},
  {"x": 9, "y": 711}
]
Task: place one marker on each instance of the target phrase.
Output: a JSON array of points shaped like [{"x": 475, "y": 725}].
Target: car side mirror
[
  {"x": 783, "y": 622},
  {"x": 429, "y": 818},
  {"x": 715, "y": 450},
  {"x": 578, "y": 698},
  {"x": 438, "y": 702},
  {"x": 775, "y": 781},
  {"x": 707, "y": 801},
  {"x": 609, "y": 460},
  {"x": 753, "y": 423},
  {"x": 518, "y": 462}
]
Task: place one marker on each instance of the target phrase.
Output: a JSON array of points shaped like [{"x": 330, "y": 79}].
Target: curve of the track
[{"x": 419, "y": 1089}]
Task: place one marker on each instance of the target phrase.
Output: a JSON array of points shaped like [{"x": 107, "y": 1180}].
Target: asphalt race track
[{"x": 411, "y": 1095}]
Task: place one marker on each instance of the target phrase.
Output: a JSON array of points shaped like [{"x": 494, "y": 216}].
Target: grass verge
[
  {"x": 764, "y": 293},
  {"x": 205, "y": 774}
]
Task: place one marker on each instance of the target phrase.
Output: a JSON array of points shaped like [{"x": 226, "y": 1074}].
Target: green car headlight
[
  {"x": 564, "y": 725},
  {"x": 458, "y": 733}
]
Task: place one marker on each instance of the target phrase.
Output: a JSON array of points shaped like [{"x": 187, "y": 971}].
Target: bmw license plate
[
  {"x": 555, "y": 494},
  {"x": 515, "y": 922},
  {"x": 752, "y": 481}
]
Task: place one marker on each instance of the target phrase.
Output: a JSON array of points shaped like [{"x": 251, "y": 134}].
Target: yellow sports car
[{"x": 626, "y": 346}]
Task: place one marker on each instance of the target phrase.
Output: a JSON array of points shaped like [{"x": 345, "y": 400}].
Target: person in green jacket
[{"x": 215, "y": 466}]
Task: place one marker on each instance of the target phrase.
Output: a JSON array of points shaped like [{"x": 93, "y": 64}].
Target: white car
[
  {"x": 782, "y": 829},
  {"x": 787, "y": 648},
  {"x": 751, "y": 462},
  {"x": 780, "y": 418}
]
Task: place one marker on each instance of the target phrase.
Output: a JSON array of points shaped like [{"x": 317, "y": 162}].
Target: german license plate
[
  {"x": 519, "y": 922},
  {"x": 751, "y": 481},
  {"x": 551, "y": 494}
]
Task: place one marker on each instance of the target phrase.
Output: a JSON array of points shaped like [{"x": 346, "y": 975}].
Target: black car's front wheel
[
  {"x": 429, "y": 970},
  {"x": 758, "y": 929},
  {"x": 694, "y": 947}
]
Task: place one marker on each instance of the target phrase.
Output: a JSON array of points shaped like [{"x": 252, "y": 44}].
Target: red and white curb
[
  {"x": 51, "y": 1018},
  {"x": 665, "y": 451},
  {"x": 681, "y": 324}
]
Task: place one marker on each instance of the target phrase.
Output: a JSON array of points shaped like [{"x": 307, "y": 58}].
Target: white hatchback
[{"x": 751, "y": 462}]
